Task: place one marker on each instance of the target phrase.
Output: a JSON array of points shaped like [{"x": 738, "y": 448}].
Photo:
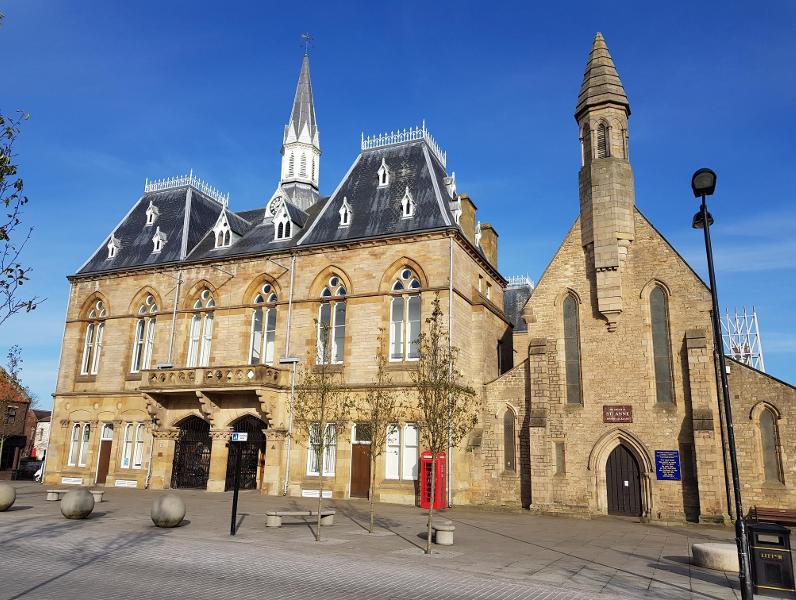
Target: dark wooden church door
[{"x": 623, "y": 482}]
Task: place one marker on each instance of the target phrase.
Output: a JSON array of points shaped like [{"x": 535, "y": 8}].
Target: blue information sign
[{"x": 667, "y": 464}]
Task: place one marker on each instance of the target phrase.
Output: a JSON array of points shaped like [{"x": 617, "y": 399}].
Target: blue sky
[{"x": 119, "y": 92}]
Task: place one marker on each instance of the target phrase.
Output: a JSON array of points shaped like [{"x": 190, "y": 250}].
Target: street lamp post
[{"x": 703, "y": 183}]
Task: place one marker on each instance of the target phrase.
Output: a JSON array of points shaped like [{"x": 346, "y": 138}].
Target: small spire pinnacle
[{"x": 601, "y": 83}]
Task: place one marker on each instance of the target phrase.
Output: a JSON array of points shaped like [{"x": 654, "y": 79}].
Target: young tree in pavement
[
  {"x": 447, "y": 407},
  {"x": 378, "y": 410},
  {"x": 321, "y": 407}
]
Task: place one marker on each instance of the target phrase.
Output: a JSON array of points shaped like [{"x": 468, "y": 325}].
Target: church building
[{"x": 598, "y": 385}]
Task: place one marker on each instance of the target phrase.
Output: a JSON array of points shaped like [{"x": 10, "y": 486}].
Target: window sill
[
  {"x": 133, "y": 377},
  {"x": 85, "y": 379},
  {"x": 333, "y": 368},
  {"x": 401, "y": 365}
]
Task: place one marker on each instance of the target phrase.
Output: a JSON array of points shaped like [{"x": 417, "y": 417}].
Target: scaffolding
[{"x": 741, "y": 336}]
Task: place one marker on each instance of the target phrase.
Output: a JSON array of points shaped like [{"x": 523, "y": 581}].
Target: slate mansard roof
[{"x": 187, "y": 216}]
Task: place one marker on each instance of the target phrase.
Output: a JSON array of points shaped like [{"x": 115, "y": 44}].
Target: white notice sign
[{"x": 239, "y": 436}]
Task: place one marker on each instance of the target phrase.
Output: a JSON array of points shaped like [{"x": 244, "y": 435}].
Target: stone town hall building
[{"x": 598, "y": 385}]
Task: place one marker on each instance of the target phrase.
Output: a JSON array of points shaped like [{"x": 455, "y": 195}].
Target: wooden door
[
  {"x": 623, "y": 483},
  {"x": 360, "y": 470},
  {"x": 104, "y": 460}
]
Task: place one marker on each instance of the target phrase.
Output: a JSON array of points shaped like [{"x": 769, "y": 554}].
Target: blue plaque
[{"x": 667, "y": 465}]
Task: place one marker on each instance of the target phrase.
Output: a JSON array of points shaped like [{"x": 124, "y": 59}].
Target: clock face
[{"x": 276, "y": 204}]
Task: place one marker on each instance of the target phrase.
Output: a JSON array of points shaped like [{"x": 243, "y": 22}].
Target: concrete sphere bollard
[
  {"x": 7, "y": 496},
  {"x": 77, "y": 504},
  {"x": 168, "y": 511}
]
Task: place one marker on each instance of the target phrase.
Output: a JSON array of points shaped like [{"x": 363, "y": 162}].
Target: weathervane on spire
[{"x": 307, "y": 39}]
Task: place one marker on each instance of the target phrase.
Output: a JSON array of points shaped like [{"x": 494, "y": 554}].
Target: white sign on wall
[
  {"x": 127, "y": 483},
  {"x": 314, "y": 493},
  {"x": 239, "y": 436},
  {"x": 72, "y": 480}
]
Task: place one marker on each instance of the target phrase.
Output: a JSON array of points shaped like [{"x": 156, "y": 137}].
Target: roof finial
[{"x": 307, "y": 39}]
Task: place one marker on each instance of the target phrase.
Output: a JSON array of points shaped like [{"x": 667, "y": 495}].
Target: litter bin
[{"x": 772, "y": 568}]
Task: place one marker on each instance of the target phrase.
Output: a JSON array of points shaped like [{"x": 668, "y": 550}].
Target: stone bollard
[
  {"x": 718, "y": 556},
  {"x": 7, "y": 496},
  {"x": 77, "y": 504},
  {"x": 168, "y": 511}
]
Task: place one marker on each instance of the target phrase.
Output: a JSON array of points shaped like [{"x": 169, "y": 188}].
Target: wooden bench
[
  {"x": 443, "y": 532},
  {"x": 773, "y": 515},
  {"x": 273, "y": 518},
  {"x": 55, "y": 495}
]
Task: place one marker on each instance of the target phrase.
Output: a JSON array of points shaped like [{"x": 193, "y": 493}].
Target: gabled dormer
[
  {"x": 283, "y": 224},
  {"x": 114, "y": 245},
  {"x": 152, "y": 214},
  {"x": 407, "y": 205},
  {"x": 478, "y": 234},
  {"x": 158, "y": 240},
  {"x": 345, "y": 213},
  {"x": 383, "y": 174},
  {"x": 222, "y": 232}
]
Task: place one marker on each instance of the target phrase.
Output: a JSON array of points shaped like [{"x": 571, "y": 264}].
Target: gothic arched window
[
  {"x": 769, "y": 439},
  {"x": 303, "y": 165},
  {"x": 661, "y": 350},
  {"x": 291, "y": 163},
  {"x": 603, "y": 141},
  {"x": 331, "y": 322},
  {"x": 572, "y": 350},
  {"x": 92, "y": 346},
  {"x": 144, "y": 338},
  {"x": 201, "y": 334},
  {"x": 405, "y": 316},
  {"x": 509, "y": 452},
  {"x": 263, "y": 326}
]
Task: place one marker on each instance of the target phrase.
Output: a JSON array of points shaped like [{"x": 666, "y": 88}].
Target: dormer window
[
  {"x": 283, "y": 226},
  {"x": 407, "y": 205},
  {"x": 478, "y": 234},
  {"x": 345, "y": 213},
  {"x": 223, "y": 232},
  {"x": 113, "y": 246},
  {"x": 384, "y": 174},
  {"x": 152, "y": 213},
  {"x": 158, "y": 240}
]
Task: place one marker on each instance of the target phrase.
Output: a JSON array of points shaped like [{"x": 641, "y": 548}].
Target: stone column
[
  {"x": 218, "y": 460},
  {"x": 538, "y": 489},
  {"x": 707, "y": 435},
  {"x": 273, "y": 473},
  {"x": 162, "y": 459}
]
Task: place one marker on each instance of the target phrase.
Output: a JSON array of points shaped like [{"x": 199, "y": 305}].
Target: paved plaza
[{"x": 118, "y": 553}]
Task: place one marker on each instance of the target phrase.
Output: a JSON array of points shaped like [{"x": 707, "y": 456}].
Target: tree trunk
[
  {"x": 320, "y": 500},
  {"x": 431, "y": 504},
  {"x": 2, "y": 443},
  {"x": 370, "y": 492}
]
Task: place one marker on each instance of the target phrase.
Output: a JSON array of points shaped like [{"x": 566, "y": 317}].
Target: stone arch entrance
[
  {"x": 191, "y": 467},
  {"x": 252, "y": 453},
  {"x": 623, "y": 483},
  {"x": 631, "y": 453}
]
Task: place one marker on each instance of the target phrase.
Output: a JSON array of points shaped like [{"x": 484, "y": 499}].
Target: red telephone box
[{"x": 440, "y": 490}]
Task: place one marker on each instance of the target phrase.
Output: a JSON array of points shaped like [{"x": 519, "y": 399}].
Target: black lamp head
[
  {"x": 699, "y": 223},
  {"x": 703, "y": 182}
]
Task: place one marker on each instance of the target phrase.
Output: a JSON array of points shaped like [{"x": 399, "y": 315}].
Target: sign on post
[
  {"x": 667, "y": 465},
  {"x": 239, "y": 436}
]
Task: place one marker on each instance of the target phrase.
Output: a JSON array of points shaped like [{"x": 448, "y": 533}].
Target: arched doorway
[
  {"x": 191, "y": 466},
  {"x": 623, "y": 483},
  {"x": 252, "y": 453}
]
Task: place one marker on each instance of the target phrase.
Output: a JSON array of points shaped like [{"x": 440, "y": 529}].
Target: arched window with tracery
[
  {"x": 769, "y": 441},
  {"x": 509, "y": 446},
  {"x": 201, "y": 334},
  {"x": 144, "y": 337},
  {"x": 331, "y": 322},
  {"x": 661, "y": 347},
  {"x": 263, "y": 335},
  {"x": 405, "y": 316},
  {"x": 92, "y": 345},
  {"x": 572, "y": 350}
]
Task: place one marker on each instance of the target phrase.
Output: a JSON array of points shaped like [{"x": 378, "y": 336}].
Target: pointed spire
[
  {"x": 303, "y": 113},
  {"x": 601, "y": 83}
]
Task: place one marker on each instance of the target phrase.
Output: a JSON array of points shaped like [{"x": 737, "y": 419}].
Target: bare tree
[
  {"x": 322, "y": 406},
  {"x": 378, "y": 410},
  {"x": 14, "y": 397},
  {"x": 448, "y": 408}
]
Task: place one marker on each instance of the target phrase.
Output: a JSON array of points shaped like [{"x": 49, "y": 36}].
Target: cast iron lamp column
[{"x": 703, "y": 183}]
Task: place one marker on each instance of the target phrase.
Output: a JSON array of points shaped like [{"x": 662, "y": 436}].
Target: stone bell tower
[{"x": 606, "y": 178}]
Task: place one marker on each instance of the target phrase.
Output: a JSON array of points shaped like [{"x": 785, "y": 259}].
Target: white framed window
[
  {"x": 283, "y": 226},
  {"x": 138, "y": 451},
  {"x": 488, "y": 291},
  {"x": 407, "y": 205},
  {"x": 345, "y": 213},
  {"x": 329, "y": 453},
  {"x": 201, "y": 333},
  {"x": 106, "y": 435},
  {"x": 330, "y": 341},
  {"x": 84, "y": 440},
  {"x": 144, "y": 335},
  {"x": 158, "y": 240},
  {"x": 74, "y": 443},
  {"x": 263, "y": 330},
  {"x": 405, "y": 317},
  {"x": 127, "y": 445},
  {"x": 222, "y": 231},
  {"x": 383, "y": 174},
  {"x": 92, "y": 346},
  {"x": 401, "y": 458},
  {"x": 152, "y": 213},
  {"x": 113, "y": 247}
]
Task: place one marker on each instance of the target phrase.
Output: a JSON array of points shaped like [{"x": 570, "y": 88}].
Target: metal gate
[
  {"x": 623, "y": 483},
  {"x": 251, "y": 452},
  {"x": 191, "y": 466}
]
